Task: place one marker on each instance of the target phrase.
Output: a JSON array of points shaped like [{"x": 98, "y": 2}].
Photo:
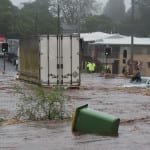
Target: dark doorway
[{"x": 115, "y": 67}]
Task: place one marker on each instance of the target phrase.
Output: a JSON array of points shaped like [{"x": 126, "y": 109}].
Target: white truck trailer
[{"x": 50, "y": 60}]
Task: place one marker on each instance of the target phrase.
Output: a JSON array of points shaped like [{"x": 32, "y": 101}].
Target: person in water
[{"x": 137, "y": 76}]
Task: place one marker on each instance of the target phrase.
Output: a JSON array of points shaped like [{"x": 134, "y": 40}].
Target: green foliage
[
  {"x": 115, "y": 9},
  {"x": 143, "y": 23},
  {"x": 40, "y": 17},
  {"x": 7, "y": 11},
  {"x": 71, "y": 10},
  {"x": 33, "y": 18},
  {"x": 97, "y": 23},
  {"x": 38, "y": 103}
]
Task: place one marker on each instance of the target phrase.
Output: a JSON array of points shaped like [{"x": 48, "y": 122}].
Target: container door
[
  {"x": 70, "y": 60},
  {"x": 53, "y": 60},
  {"x": 75, "y": 61},
  {"x": 66, "y": 60},
  {"x": 49, "y": 60},
  {"x": 60, "y": 60},
  {"x": 44, "y": 60}
]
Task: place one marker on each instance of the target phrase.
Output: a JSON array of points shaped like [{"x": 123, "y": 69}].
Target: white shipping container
[{"x": 50, "y": 60}]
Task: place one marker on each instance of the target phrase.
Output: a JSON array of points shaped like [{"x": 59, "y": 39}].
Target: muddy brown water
[{"x": 131, "y": 105}]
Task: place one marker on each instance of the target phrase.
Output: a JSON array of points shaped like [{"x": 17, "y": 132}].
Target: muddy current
[{"x": 130, "y": 104}]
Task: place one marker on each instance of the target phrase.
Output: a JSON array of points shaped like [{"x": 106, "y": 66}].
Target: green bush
[{"x": 38, "y": 103}]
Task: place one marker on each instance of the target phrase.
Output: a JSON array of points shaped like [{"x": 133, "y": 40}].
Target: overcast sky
[{"x": 18, "y": 2}]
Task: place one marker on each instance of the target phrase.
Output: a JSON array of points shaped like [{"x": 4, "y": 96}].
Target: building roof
[
  {"x": 123, "y": 41},
  {"x": 102, "y": 38},
  {"x": 93, "y": 36}
]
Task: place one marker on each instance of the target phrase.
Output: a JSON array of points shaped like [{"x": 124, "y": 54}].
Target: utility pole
[
  {"x": 132, "y": 37},
  {"x": 79, "y": 15},
  {"x": 58, "y": 17},
  {"x": 36, "y": 19}
]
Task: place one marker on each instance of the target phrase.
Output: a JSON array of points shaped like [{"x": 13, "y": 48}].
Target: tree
[
  {"x": 35, "y": 18},
  {"x": 115, "y": 9},
  {"x": 72, "y": 10},
  {"x": 7, "y": 19},
  {"x": 141, "y": 23},
  {"x": 144, "y": 10},
  {"x": 40, "y": 17},
  {"x": 97, "y": 23}
]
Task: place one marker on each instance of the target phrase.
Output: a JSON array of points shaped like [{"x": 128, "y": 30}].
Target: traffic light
[
  {"x": 107, "y": 51},
  {"x": 125, "y": 53},
  {"x": 4, "y": 47}
]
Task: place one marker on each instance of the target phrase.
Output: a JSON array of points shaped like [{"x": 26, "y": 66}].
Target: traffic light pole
[
  {"x": 107, "y": 53},
  {"x": 106, "y": 64},
  {"x": 4, "y": 64},
  {"x": 4, "y": 50}
]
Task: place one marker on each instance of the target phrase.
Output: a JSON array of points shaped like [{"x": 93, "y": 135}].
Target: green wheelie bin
[{"x": 86, "y": 120}]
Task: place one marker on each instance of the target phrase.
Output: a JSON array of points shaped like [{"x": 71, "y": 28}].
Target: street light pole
[{"x": 132, "y": 37}]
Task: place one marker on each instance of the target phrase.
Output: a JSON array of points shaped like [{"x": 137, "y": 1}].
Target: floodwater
[{"x": 130, "y": 104}]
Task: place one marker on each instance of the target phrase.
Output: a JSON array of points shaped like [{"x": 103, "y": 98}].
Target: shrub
[{"x": 38, "y": 103}]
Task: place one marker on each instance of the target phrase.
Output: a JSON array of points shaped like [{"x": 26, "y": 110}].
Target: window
[
  {"x": 125, "y": 53},
  {"x": 124, "y": 61},
  {"x": 148, "y": 64}
]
